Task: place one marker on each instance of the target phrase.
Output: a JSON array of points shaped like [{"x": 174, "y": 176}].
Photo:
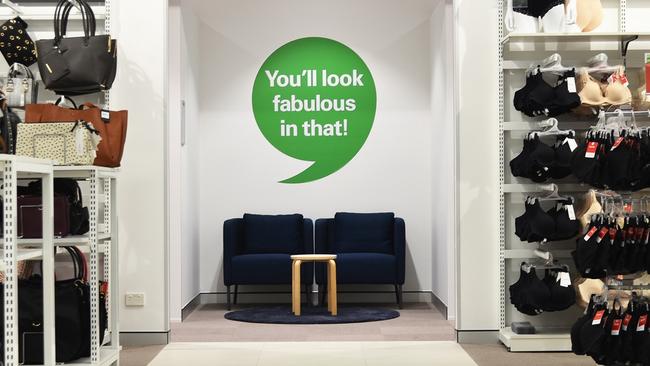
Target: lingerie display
[
  {"x": 537, "y": 225},
  {"x": 614, "y": 334},
  {"x": 553, "y": 16},
  {"x": 533, "y": 296},
  {"x": 539, "y": 98},
  {"x": 609, "y": 249}
]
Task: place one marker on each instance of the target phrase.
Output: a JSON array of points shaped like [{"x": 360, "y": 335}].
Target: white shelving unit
[
  {"x": 102, "y": 183},
  {"x": 516, "y": 52}
]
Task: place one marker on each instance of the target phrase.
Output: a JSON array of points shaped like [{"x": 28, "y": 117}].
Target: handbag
[
  {"x": 30, "y": 216},
  {"x": 77, "y": 65},
  {"x": 111, "y": 125},
  {"x": 8, "y": 129},
  {"x": 72, "y": 317},
  {"x": 19, "y": 86},
  {"x": 68, "y": 188},
  {"x": 65, "y": 143},
  {"x": 15, "y": 44}
]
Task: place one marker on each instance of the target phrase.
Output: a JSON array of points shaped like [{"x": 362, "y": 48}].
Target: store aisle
[{"x": 314, "y": 353}]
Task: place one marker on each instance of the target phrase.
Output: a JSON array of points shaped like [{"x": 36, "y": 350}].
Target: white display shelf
[
  {"x": 546, "y": 340},
  {"x": 589, "y": 37},
  {"x": 36, "y": 254},
  {"x": 81, "y": 240},
  {"x": 84, "y": 171},
  {"x": 32, "y": 12},
  {"x": 107, "y": 356},
  {"x": 535, "y": 188}
]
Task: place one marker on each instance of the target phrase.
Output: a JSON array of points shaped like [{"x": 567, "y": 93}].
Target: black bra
[
  {"x": 539, "y": 162},
  {"x": 533, "y": 296},
  {"x": 537, "y": 225},
  {"x": 538, "y": 98}
]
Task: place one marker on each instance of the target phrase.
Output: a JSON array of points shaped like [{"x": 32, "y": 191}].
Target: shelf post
[
  {"x": 49, "y": 330},
  {"x": 114, "y": 283},
  {"x": 94, "y": 278},
  {"x": 11, "y": 283}
]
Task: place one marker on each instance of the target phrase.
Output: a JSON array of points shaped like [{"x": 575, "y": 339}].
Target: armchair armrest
[
  {"x": 323, "y": 236},
  {"x": 399, "y": 242},
  {"x": 233, "y": 243}
]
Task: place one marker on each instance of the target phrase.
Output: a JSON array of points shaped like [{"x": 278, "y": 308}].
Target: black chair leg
[
  {"x": 228, "y": 297},
  {"x": 234, "y": 302},
  {"x": 400, "y": 296}
]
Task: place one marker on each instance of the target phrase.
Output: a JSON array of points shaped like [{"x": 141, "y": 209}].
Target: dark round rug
[{"x": 310, "y": 315}]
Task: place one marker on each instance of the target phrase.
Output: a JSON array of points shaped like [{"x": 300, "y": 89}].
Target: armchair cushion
[
  {"x": 366, "y": 268},
  {"x": 273, "y": 234},
  {"x": 363, "y": 233},
  {"x": 269, "y": 269}
]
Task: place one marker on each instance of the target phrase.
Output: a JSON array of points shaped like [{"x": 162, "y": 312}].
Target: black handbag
[
  {"x": 79, "y": 215},
  {"x": 15, "y": 44},
  {"x": 77, "y": 65},
  {"x": 8, "y": 129},
  {"x": 72, "y": 317}
]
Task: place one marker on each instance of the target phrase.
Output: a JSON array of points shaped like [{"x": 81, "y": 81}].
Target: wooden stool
[{"x": 330, "y": 259}]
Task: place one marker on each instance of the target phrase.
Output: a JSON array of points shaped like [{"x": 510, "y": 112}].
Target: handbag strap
[
  {"x": 77, "y": 262},
  {"x": 83, "y": 263},
  {"x": 16, "y": 68},
  {"x": 63, "y": 98},
  {"x": 87, "y": 15}
]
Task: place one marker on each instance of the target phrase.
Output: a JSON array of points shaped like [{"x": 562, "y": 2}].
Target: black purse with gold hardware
[
  {"x": 77, "y": 65},
  {"x": 15, "y": 44}
]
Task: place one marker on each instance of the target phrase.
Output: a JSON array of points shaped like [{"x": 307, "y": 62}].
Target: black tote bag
[{"x": 77, "y": 65}]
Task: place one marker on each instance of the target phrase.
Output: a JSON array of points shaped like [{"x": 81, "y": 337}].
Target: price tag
[
  {"x": 571, "y": 211},
  {"x": 590, "y": 233},
  {"x": 617, "y": 143},
  {"x": 571, "y": 85},
  {"x": 598, "y": 318},
  {"x": 592, "y": 147},
  {"x": 601, "y": 234},
  {"x": 626, "y": 321},
  {"x": 564, "y": 278},
  {"x": 616, "y": 327},
  {"x": 572, "y": 143},
  {"x": 643, "y": 320}
]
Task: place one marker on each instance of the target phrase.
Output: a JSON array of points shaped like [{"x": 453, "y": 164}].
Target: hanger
[
  {"x": 551, "y": 64},
  {"x": 599, "y": 65},
  {"x": 553, "y": 130},
  {"x": 553, "y": 195}
]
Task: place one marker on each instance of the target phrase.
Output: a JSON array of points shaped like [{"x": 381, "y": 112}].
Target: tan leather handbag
[{"x": 111, "y": 126}]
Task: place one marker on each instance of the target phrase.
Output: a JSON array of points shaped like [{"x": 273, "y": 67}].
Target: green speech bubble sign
[{"x": 315, "y": 100}]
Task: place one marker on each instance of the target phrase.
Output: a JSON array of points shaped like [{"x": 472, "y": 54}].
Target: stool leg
[
  {"x": 332, "y": 287},
  {"x": 296, "y": 287},
  {"x": 329, "y": 288}
]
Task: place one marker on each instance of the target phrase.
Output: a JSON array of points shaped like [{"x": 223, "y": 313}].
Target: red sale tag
[
  {"x": 592, "y": 147},
  {"x": 626, "y": 321},
  {"x": 598, "y": 317},
  {"x": 590, "y": 233},
  {"x": 601, "y": 234},
  {"x": 643, "y": 320},
  {"x": 616, "y": 327},
  {"x": 617, "y": 143},
  {"x": 612, "y": 233}
]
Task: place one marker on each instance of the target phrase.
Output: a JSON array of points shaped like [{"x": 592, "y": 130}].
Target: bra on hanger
[
  {"x": 538, "y": 98},
  {"x": 539, "y": 162},
  {"x": 604, "y": 93},
  {"x": 538, "y": 225}
]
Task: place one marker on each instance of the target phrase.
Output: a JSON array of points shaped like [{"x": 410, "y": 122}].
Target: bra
[
  {"x": 539, "y": 162},
  {"x": 537, "y": 225},
  {"x": 533, "y": 296},
  {"x": 538, "y": 98},
  {"x": 598, "y": 93}
]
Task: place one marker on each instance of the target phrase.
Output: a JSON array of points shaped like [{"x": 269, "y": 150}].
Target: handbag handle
[
  {"x": 87, "y": 14},
  {"x": 64, "y": 98},
  {"x": 77, "y": 262},
  {"x": 16, "y": 68}
]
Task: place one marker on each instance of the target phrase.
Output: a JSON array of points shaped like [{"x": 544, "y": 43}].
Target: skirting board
[
  {"x": 138, "y": 339},
  {"x": 343, "y": 297},
  {"x": 190, "y": 307},
  {"x": 477, "y": 337}
]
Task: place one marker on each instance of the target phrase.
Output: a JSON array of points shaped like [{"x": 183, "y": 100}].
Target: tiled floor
[
  {"x": 314, "y": 353},
  {"x": 420, "y": 336},
  {"x": 417, "y": 322}
]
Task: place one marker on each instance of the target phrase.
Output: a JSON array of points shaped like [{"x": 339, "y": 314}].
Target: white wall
[
  {"x": 140, "y": 27},
  {"x": 240, "y": 169},
  {"x": 189, "y": 155},
  {"x": 478, "y": 173},
  {"x": 444, "y": 151}
]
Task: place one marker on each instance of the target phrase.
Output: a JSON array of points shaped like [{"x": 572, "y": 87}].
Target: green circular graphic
[{"x": 315, "y": 100}]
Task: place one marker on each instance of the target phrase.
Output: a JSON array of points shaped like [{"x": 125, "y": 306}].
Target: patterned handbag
[
  {"x": 65, "y": 143},
  {"x": 15, "y": 44}
]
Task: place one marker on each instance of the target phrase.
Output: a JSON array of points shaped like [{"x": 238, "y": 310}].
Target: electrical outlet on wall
[{"x": 134, "y": 299}]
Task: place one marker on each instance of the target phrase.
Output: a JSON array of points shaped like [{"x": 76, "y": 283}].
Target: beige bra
[{"x": 596, "y": 93}]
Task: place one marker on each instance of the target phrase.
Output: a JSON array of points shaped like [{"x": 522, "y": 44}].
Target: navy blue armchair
[
  {"x": 257, "y": 250},
  {"x": 370, "y": 249}
]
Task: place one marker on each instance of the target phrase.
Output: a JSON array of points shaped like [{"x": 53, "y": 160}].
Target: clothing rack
[{"x": 516, "y": 52}]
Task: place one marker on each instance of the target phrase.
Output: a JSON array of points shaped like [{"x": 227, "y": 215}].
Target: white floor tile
[{"x": 314, "y": 354}]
